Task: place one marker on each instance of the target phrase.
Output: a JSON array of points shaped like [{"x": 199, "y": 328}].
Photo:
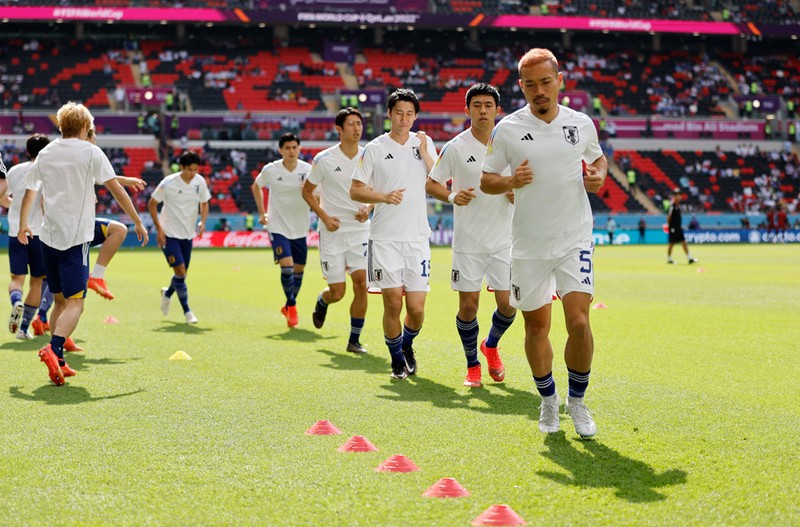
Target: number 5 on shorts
[{"x": 586, "y": 257}]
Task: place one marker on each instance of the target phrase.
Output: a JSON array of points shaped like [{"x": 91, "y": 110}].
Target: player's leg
[
  {"x": 282, "y": 253},
  {"x": 299, "y": 257},
  {"x": 466, "y": 278},
  {"x": 18, "y": 265},
  {"x": 531, "y": 293},
  {"x": 358, "y": 311},
  {"x": 110, "y": 237},
  {"x": 174, "y": 252},
  {"x": 669, "y": 251},
  {"x": 385, "y": 272},
  {"x": 497, "y": 278},
  {"x": 688, "y": 253},
  {"x": 45, "y": 304},
  {"x": 416, "y": 282},
  {"x": 34, "y": 296},
  {"x": 334, "y": 271},
  {"x": 181, "y": 289},
  {"x": 575, "y": 286}
]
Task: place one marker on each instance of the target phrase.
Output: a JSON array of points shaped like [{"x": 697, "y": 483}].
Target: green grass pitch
[{"x": 694, "y": 390}]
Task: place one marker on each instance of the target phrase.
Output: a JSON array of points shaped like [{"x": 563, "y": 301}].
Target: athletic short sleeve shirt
[
  {"x": 552, "y": 214},
  {"x": 16, "y": 187},
  {"x": 288, "y": 211},
  {"x": 483, "y": 226},
  {"x": 181, "y": 201},
  {"x": 66, "y": 171},
  {"x": 387, "y": 165},
  {"x": 332, "y": 172}
]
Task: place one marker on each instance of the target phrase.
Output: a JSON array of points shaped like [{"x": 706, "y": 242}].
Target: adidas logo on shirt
[
  {"x": 586, "y": 281},
  {"x": 527, "y": 137},
  {"x": 338, "y": 169},
  {"x": 390, "y": 156},
  {"x": 471, "y": 159}
]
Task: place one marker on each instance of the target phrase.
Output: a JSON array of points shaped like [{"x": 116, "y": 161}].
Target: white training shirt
[
  {"x": 288, "y": 211},
  {"x": 332, "y": 172},
  {"x": 178, "y": 216},
  {"x": 483, "y": 226},
  {"x": 552, "y": 214},
  {"x": 66, "y": 171},
  {"x": 386, "y": 165},
  {"x": 16, "y": 188}
]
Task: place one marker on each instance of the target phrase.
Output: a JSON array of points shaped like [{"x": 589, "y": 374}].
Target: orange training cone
[
  {"x": 110, "y": 320},
  {"x": 499, "y": 515},
  {"x": 357, "y": 444},
  {"x": 397, "y": 463},
  {"x": 446, "y": 488},
  {"x": 323, "y": 428}
]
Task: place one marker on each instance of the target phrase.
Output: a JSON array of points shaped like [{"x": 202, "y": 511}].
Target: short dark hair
[
  {"x": 286, "y": 138},
  {"x": 344, "y": 113},
  {"x": 403, "y": 94},
  {"x": 35, "y": 144},
  {"x": 189, "y": 158},
  {"x": 481, "y": 88}
]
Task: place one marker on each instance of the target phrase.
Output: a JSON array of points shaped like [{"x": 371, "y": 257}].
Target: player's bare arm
[
  {"x": 364, "y": 194},
  {"x": 161, "y": 237},
  {"x": 25, "y": 211},
  {"x": 423, "y": 151},
  {"x": 258, "y": 196},
  {"x": 363, "y": 213},
  {"x": 440, "y": 192},
  {"x": 135, "y": 183},
  {"x": 497, "y": 184},
  {"x": 201, "y": 225},
  {"x": 595, "y": 175},
  {"x": 127, "y": 205},
  {"x": 332, "y": 223}
]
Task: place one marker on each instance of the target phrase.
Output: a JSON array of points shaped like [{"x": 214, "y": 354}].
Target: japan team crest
[
  {"x": 456, "y": 275},
  {"x": 516, "y": 292},
  {"x": 417, "y": 155},
  {"x": 378, "y": 275},
  {"x": 571, "y": 134}
]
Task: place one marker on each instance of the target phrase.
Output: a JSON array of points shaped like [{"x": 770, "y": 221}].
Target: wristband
[{"x": 452, "y": 197}]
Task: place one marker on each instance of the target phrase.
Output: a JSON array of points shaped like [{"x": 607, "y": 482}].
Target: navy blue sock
[
  {"x": 468, "y": 331},
  {"x": 356, "y": 325},
  {"x": 27, "y": 317},
  {"x": 287, "y": 281},
  {"x": 322, "y": 307},
  {"x": 57, "y": 345},
  {"x": 408, "y": 337},
  {"x": 179, "y": 285},
  {"x": 546, "y": 385},
  {"x": 16, "y": 296},
  {"x": 500, "y": 323},
  {"x": 47, "y": 301},
  {"x": 578, "y": 382},
  {"x": 298, "y": 281},
  {"x": 395, "y": 346}
]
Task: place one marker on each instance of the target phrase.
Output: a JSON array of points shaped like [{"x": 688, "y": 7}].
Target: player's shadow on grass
[
  {"x": 83, "y": 362},
  {"x": 63, "y": 395},
  {"x": 419, "y": 388},
  {"x": 298, "y": 335},
  {"x": 344, "y": 360},
  {"x": 181, "y": 327},
  {"x": 598, "y": 466},
  {"x": 31, "y": 346}
]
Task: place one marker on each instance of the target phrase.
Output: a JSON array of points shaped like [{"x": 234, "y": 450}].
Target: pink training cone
[
  {"x": 357, "y": 444},
  {"x": 110, "y": 320},
  {"x": 499, "y": 515},
  {"x": 701, "y": 270},
  {"x": 323, "y": 428},
  {"x": 446, "y": 488},
  {"x": 599, "y": 305},
  {"x": 397, "y": 463}
]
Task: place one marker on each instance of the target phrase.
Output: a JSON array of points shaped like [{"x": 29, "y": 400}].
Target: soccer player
[
  {"x": 545, "y": 144},
  {"x": 181, "y": 193},
  {"x": 65, "y": 171},
  {"x": 391, "y": 174},
  {"x": 109, "y": 234},
  {"x": 24, "y": 257},
  {"x": 481, "y": 235},
  {"x": 674, "y": 223},
  {"x": 343, "y": 224},
  {"x": 286, "y": 217}
]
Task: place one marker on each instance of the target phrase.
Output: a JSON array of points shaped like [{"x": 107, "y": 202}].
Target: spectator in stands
[
  {"x": 286, "y": 217},
  {"x": 343, "y": 224},
  {"x": 642, "y": 229},
  {"x": 391, "y": 174},
  {"x": 675, "y": 225},
  {"x": 181, "y": 194},
  {"x": 611, "y": 228}
]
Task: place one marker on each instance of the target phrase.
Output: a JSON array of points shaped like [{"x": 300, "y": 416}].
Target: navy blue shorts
[
  {"x": 21, "y": 257},
  {"x": 67, "y": 271},
  {"x": 283, "y": 247},
  {"x": 100, "y": 231},
  {"x": 178, "y": 251}
]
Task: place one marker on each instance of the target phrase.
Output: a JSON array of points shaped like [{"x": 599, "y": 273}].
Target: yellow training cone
[{"x": 180, "y": 355}]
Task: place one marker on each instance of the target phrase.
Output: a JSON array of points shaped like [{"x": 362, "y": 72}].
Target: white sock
[{"x": 99, "y": 271}]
